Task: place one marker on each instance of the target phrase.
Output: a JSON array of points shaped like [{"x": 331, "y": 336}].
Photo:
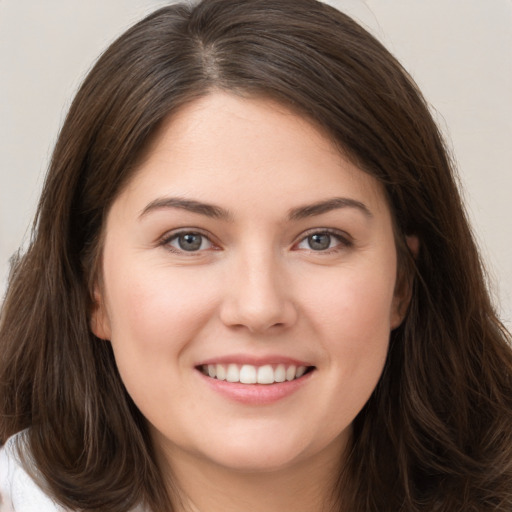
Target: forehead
[{"x": 242, "y": 149}]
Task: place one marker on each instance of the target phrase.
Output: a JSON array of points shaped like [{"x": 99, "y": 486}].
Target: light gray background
[{"x": 459, "y": 52}]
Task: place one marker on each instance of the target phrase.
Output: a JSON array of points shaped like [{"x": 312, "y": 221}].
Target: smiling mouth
[{"x": 250, "y": 374}]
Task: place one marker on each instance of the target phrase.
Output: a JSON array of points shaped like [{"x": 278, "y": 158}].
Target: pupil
[
  {"x": 319, "y": 241},
  {"x": 190, "y": 242}
]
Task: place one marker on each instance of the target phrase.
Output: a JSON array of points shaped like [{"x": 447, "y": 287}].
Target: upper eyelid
[
  {"x": 166, "y": 239},
  {"x": 165, "y": 242},
  {"x": 172, "y": 234},
  {"x": 330, "y": 231}
]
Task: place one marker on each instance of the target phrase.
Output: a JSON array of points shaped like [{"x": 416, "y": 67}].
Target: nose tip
[
  {"x": 258, "y": 301},
  {"x": 257, "y": 318}
]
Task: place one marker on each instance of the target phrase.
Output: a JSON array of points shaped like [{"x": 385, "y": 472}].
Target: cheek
[
  {"x": 155, "y": 317},
  {"x": 156, "y": 312},
  {"x": 351, "y": 318},
  {"x": 358, "y": 303}
]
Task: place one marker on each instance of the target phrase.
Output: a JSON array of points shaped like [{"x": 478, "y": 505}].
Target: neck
[
  {"x": 204, "y": 486},
  {"x": 276, "y": 491}
]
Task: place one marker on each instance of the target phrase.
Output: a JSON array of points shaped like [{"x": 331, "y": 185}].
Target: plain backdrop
[{"x": 458, "y": 51}]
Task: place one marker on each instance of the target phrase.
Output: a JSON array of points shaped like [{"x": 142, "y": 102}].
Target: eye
[
  {"x": 323, "y": 241},
  {"x": 188, "y": 241}
]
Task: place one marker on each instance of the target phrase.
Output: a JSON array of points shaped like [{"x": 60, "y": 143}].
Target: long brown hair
[{"x": 436, "y": 434}]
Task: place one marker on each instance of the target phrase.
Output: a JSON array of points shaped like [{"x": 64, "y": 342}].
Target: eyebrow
[
  {"x": 190, "y": 205},
  {"x": 335, "y": 203},
  {"x": 216, "y": 212}
]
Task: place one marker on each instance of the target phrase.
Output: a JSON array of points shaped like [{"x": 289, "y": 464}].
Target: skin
[{"x": 255, "y": 288}]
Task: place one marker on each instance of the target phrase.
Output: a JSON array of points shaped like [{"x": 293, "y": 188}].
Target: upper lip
[{"x": 242, "y": 359}]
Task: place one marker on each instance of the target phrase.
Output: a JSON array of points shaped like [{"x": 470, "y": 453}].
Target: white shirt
[{"x": 18, "y": 491}]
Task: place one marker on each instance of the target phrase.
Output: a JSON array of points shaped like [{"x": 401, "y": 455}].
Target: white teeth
[
  {"x": 265, "y": 374},
  {"x": 249, "y": 374},
  {"x": 290, "y": 372},
  {"x": 280, "y": 373},
  {"x": 301, "y": 370},
  {"x": 220, "y": 371},
  {"x": 233, "y": 373}
]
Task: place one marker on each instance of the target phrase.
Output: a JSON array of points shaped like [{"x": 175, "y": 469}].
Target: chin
[
  {"x": 264, "y": 452},
  {"x": 257, "y": 460}
]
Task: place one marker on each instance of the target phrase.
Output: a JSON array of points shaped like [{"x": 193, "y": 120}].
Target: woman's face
[{"x": 248, "y": 287}]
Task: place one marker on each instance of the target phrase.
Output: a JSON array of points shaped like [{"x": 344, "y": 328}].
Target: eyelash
[
  {"x": 343, "y": 239},
  {"x": 167, "y": 239}
]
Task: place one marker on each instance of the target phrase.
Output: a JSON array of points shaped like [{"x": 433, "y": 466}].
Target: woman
[{"x": 252, "y": 285}]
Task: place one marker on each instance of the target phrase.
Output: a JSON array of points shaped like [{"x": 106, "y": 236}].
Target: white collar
[{"x": 18, "y": 491}]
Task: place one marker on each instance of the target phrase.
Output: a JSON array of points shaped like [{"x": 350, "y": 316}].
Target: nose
[{"x": 258, "y": 296}]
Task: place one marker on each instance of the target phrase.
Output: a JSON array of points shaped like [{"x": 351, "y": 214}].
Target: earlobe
[
  {"x": 398, "y": 313},
  {"x": 413, "y": 243},
  {"x": 99, "y": 320},
  {"x": 404, "y": 285}
]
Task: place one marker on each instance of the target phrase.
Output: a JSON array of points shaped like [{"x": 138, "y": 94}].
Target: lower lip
[{"x": 256, "y": 394}]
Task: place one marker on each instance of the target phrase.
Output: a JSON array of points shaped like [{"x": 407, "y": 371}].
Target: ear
[
  {"x": 404, "y": 284},
  {"x": 413, "y": 244},
  {"x": 99, "y": 321}
]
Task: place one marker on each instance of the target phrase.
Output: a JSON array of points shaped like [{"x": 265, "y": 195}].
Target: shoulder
[{"x": 18, "y": 492}]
